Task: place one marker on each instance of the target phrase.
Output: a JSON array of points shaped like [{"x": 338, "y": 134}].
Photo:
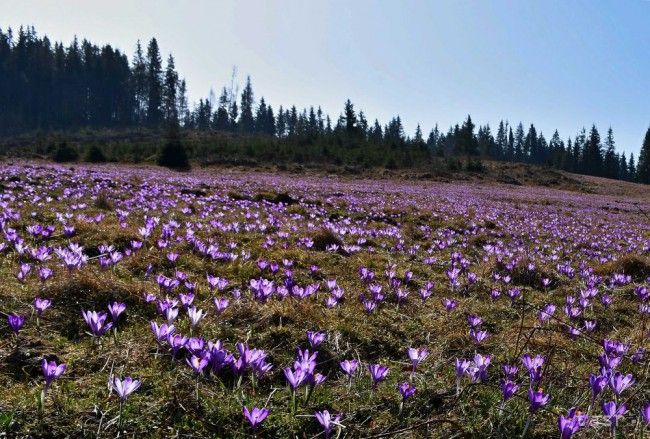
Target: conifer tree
[
  {"x": 154, "y": 84},
  {"x": 611, "y": 162},
  {"x": 643, "y": 169},
  {"x": 246, "y": 120},
  {"x": 170, "y": 92}
]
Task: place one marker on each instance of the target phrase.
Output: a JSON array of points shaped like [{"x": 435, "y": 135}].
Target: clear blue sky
[{"x": 557, "y": 63}]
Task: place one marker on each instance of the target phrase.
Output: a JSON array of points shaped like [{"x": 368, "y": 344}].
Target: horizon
[{"x": 417, "y": 62}]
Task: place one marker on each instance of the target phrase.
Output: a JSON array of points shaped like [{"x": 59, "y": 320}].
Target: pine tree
[
  {"x": 569, "y": 162},
  {"x": 350, "y": 118},
  {"x": 418, "y": 140},
  {"x": 501, "y": 141},
  {"x": 592, "y": 154},
  {"x": 363, "y": 125},
  {"x": 519, "y": 143},
  {"x": 270, "y": 122},
  {"x": 139, "y": 80},
  {"x": 281, "y": 125},
  {"x": 376, "y": 135},
  {"x": 154, "y": 84},
  {"x": 467, "y": 140},
  {"x": 578, "y": 151},
  {"x": 233, "y": 112},
  {"x": 221, "y": 118},
  {"x": 246, "y": 120},
  {"x": 611, "y": 162},
  {"x": 486, "y": 144},
  {"x": 622, "y": 167},
  {"x": 510, "y": 151},
  {"x": 261, "y": 117},
  {"x": 182, "y": 105},
  {"x": 556, "y": 150},
  {"x": 170, "y": 92},
  {"x": 433, "y": 138},
  {"x": 530, "y": 146},
  {"x": 643, "y": 168}
]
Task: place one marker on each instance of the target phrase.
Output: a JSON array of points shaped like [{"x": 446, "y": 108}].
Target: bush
[
  {"x": 65, "y": 153},
  {"x": 94, "y": 154},
  {"x": 474, "y": 165},
  {"x": 173, "y": 154}
]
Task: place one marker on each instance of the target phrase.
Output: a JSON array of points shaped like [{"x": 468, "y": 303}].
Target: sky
[{"x": 560, "y": 64}]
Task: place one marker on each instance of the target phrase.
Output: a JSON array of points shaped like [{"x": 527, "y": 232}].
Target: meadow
[{"x": 141, "y": 302}]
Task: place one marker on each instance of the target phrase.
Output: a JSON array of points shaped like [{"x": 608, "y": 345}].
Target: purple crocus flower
[
  {"x": 378, "y": 373},
  {"x": 97, "y": 322},
  {"x": 45, "y": 273},
  {"x": 195, "y": 315},
  {"x": 417, "y": 355},
  {"x": 220, "y": 304},
  {"x": 508, "y": 388},
  {"x": 478, "y": 336},
  {"x": 255, "y": 416},
  {"x": 547, "y": 312},
  {"x": 645, "y": 413},
  {"x": 327, "y": 421},
  {"x": 534, "y": 366},
  {"x": 449, "y": 304},
  {"x": 294, "y": 377},
  {"x": 462, "y": 365},
  {"x": 176, "y": 342},
  {"x": 124, "y": 387},
  {"x": 510, "y": 371},
  {"x": 613, "y": 413},
  {"x": 116, "y": 308},
  {"x": 349, "y": 366},
  {"x": 15, "y": 322},
  {"x": 186, "y": 299},
  {"x": 40, "y": 305},
  {"x": 474, "y": 321},
  {"x": 406, "y": 389},
  {"x": 51, "y": 371},
  {"x": 197, "y": 363},
  {"x": 619, "y": 382},
  {"x": 538, "y": 399},
  {"x": 315, "y": 338},
  {"x": 161, "y": 332},
  {"x": 171, "y": 314},
  {"x": 571, "y": 423},
  {"x": 597, "y": 384}
]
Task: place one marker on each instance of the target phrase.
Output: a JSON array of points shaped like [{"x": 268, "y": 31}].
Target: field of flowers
[{"x": 145, "y": 303}]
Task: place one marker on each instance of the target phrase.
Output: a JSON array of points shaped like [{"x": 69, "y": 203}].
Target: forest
[{"x": 93, "y": 102}]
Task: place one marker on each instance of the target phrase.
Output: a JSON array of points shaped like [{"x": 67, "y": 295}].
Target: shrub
[
  {"x": 65, "y": 153},
  {"x": 94, "y": 154},
  {"x": 173, "y": 156}
]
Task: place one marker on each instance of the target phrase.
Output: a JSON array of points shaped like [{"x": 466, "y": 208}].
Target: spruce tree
[
  {"x": 246, "y": 120},
  {"x": 611, "y": 161},
  {"x": 154, "y": 84},
  {"x": 622, "y": 167},
  {"x": 643, "y": 168},
  {"x": 519, "y": 142},
  {"x": 592, "y": 154},
  {"x": 261, "y": 117},
  {"x": 170, "y": 92},
  {"x": 501, "y": 141},
  {"x": 510, "y": 151},
  {"x": 139, "y": 84}
]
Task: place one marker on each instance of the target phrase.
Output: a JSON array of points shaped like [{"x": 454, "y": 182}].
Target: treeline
[{"x": 47, "y": 86}]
